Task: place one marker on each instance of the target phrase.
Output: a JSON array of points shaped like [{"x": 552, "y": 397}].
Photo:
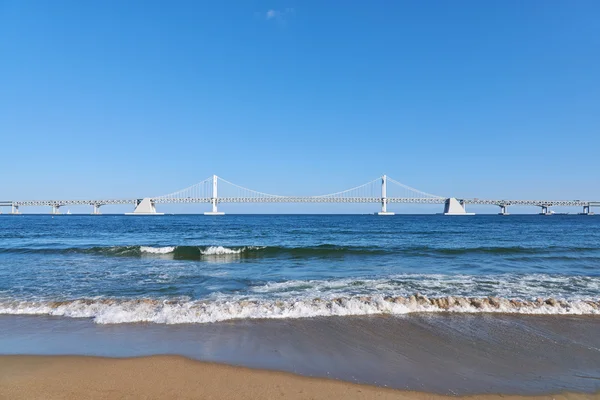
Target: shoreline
[
  {"x": 171, "y": 376},
  {"x": 444, "y": 354}
]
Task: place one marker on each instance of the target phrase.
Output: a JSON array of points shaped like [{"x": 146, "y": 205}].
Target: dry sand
[{"x": 173, "y": 377}]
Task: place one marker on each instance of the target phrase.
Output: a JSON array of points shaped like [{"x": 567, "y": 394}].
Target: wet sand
[
  {"x": 449, "y": 354},
  {"x": 162, "y": 377}
]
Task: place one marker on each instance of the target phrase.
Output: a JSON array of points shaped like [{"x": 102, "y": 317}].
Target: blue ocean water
[{"x": 197, "y": 269}]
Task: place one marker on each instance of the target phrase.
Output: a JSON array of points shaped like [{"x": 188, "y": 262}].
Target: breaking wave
[
  {"x": 198, "y": 252},
  {"x": 326, "y": 250},
  {"x": 182, "y": 250},
  {"x": 220, "y": 250},
  {"x": 114, "y": 311},
  {"x": 157, "y": 250}
]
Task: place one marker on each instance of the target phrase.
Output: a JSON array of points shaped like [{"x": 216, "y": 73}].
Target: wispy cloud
[
  {"x": 272, "y": 14},
  {"x": 280, "y": 16}
]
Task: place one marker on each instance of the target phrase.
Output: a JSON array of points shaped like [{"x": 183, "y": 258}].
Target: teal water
[{"x": 196, "y": 269}]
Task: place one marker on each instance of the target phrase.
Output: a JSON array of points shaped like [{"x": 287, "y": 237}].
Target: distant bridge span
[{"x": 215, "y": 190}]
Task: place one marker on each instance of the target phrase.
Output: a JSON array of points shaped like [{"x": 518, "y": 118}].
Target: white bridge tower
[
  {"x": 214, "y": 200},
  {"x": 384, "y": 199}
]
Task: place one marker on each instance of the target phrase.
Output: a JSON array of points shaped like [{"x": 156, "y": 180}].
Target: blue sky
[{"x": 467, "y": 98}]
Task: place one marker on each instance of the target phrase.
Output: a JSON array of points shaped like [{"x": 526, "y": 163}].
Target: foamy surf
[
  {"x": 178, "y": 252},
  {"x": 157, "y": 250},
  {"x": 220, "y": 250},
  {"x": 510, "y": 286},
  {"x": 113, "y": 311},
  {"x": 205, "y": 251}
]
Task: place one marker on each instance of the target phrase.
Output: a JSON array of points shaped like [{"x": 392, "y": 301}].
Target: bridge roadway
[
  {"x": 503, "y": 203},
  {"x": 301, "y": 199}
]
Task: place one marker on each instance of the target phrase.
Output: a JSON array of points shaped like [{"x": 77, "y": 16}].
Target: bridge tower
[
  {"x": 214, "y": 200},
  {"x": 384, "y": 199}
]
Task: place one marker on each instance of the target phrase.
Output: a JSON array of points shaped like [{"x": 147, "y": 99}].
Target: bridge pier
[
  {"x": 14, "y": 210},
  {"x": 455, "y": 207},
  {"x": 546, "y": 210},
  {"x": 55, "y": 209},
  {"x": 145, "y": 207},
  {"x": 96, "y": 210},
  {"x": 503, "y": 209},
  {"x": 384, "y": 199},
  {"x": 587, "y": 210},
  {"x": 215, "y": 199}
]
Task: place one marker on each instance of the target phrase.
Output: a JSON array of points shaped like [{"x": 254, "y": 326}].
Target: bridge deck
[{"x": 300, "y": 199}]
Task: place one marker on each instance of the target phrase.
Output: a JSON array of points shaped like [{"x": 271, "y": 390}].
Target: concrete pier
[
  {"x": 546, "y": 210},
  {"x": 586, "y": 211},
  {"x": 455, "y": 207},
  {"x": 96, "y": 210},
  {"x": 145, "y": 207}
]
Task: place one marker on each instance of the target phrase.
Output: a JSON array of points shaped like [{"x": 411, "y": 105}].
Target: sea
[{"x": 294, "y": 288}]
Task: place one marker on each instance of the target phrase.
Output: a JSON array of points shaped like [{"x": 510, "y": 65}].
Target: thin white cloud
[
  {"x": 272, "y": 14},
  {"x": 279, "y": 15}
]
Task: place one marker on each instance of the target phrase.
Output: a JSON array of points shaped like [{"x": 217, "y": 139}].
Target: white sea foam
[
  {"x": 110, "y": 311},
  {"x": 220, "y": 250},
  {"x": 513, "y": 286},
  {"x": 157, "y": 250}
]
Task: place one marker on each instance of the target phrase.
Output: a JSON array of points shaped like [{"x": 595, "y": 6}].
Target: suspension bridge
[{"x": 383, "y": 191}]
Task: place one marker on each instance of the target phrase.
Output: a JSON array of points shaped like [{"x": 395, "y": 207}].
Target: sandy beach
[
  {"x": 158, "y": 377},
  {"x": 443, "y": 354}
]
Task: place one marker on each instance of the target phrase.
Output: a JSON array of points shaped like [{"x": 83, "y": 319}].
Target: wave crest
[
  {"x": 324, "y": 250},
  {"x": 220, "y": 250},
  {"x": 157, "y": 250}
]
